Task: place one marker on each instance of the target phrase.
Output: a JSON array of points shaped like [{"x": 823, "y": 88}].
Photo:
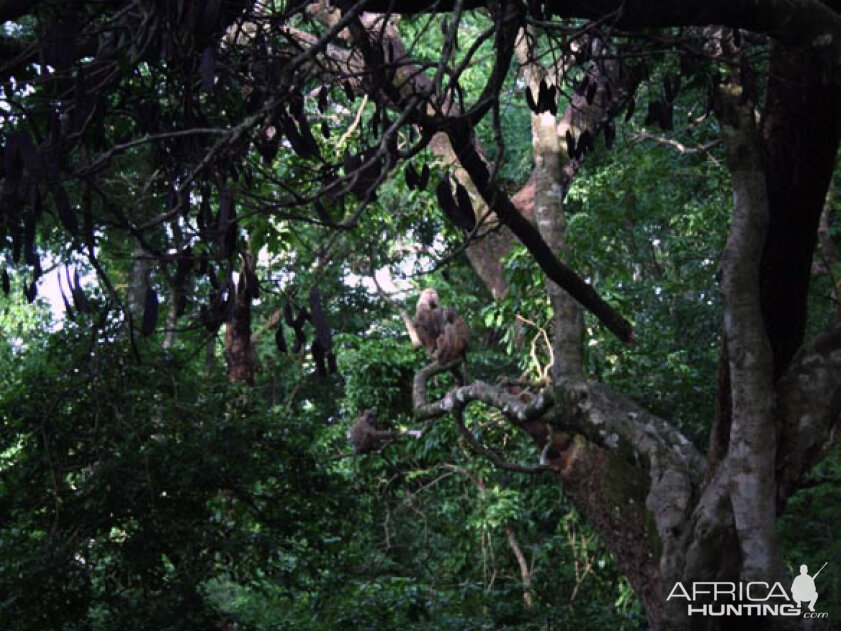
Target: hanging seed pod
[
  {"x": 542, "y": 97},
  {"x": 530, "y": 100},
  {"x": 294, "y": 137},
  {"x": 545, "y": 97},
  {"x": 423, "y": 180},
  {"x": 570, "y": 142},
  {"x": 17, "y": 244},
  {"x": 323, "y": 95},
  {"x": 632, "y": 104},
  {"x": 29, "y": 254},
  {"x": 445, "y": 199},
  {"x": 65, "y": 211},
  {"x": 280, "y": 339},
  {"x": 585, "y": 142},
  {"x": 465, "y": 207},
  {"x": 319, "y": 321},
  {"x": 306, "y": 135},
  {"x": 551, "y": 101},
  {"x": 411, "y": 176},
  {"x": 30, "y": 291},
  {"x": 150, "y": 313}
]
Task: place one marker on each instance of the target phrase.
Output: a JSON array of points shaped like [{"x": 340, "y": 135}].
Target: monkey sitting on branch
[
  {"x": 442, "y": 332},
  {"x": 365, "y": 437},
  {"x": 454, "y": 340},
  {"x": 427, "y": 321}
]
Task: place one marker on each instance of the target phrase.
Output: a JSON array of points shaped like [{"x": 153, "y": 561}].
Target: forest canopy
[{"x": 439, "y": 315}]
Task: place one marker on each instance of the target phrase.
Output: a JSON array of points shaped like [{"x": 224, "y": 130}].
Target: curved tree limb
[
  {"x": 796, "y": 22},
  {"x": 809, "y": 404}
]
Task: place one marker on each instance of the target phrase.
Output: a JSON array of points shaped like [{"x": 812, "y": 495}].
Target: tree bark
[
  {"x": 800, "y": 141},
  {"x": 240, "y": 355},
  {"x": 567, "y": 317},
  {"x": 752, "y": 446}
]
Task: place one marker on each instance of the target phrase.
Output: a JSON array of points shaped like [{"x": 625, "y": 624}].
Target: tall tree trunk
[
  {"x": 590, "y": 473},
  {"x": 752, "y": 436},
  {"x": 567, "y": 317}
]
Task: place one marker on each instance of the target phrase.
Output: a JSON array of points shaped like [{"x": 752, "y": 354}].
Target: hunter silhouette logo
[{"x": 803, "y": 587}]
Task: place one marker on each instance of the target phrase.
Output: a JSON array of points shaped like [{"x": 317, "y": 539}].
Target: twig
[
  {"x": 682, "y": 149},
  {"x": 542, "y": 373},
  {"x": 355, "y": 122}
]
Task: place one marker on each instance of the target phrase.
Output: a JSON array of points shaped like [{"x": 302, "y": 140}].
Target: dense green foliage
[
  {"x": 140, "y": 489},
  {"x": 153, "y": 495},
  {"x": 150, "y": 495}
]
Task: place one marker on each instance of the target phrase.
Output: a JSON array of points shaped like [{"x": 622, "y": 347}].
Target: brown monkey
[
  {"x": 428, "y": 322},
  {"x": 454, "y": 340},
  {"x": 364, "y": 435}
]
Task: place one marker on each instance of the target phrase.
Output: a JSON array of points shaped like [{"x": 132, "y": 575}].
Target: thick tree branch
[
  {"x": 510, "y": 405},
  {"x": 809, "y": 395},
  {"x": 796, "y": 22},
  {"x": 461, "y": 138}
]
